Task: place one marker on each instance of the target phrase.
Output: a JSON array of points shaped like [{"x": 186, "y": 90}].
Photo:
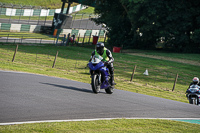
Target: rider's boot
[{"x": 112, "y": 80}]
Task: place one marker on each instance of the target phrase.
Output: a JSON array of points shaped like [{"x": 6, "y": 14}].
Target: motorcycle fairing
[
  {"x": 95, "y": 67},
  {"x": 105, "y": 84},
  {"x": 105, "y": 74}
]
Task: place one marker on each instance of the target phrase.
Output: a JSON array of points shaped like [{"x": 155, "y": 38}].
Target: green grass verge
[
  {"x": 189, "y": 56},
  {"x": 108, "y": 126}
]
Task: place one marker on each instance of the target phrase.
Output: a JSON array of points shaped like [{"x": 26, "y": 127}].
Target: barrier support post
[
  {"x": 15, "y": 53},
  {"x": 133, "y": 73},
  {"x": 175, "y": 82}
]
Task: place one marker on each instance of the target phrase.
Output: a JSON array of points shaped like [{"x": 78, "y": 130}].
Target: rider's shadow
[{"x": 69, "y": 87}]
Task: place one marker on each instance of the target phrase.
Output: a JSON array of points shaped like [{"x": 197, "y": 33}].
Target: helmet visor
[{"x": 99, "y": 49}]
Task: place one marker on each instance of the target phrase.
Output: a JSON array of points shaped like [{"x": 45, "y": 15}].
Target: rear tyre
[
  {"x": 109, "y": 90},
  {"x": 95, "y": 84}
]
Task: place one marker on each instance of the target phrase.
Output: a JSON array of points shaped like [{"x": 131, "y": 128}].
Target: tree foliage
[{"x": 142, "y": 23}]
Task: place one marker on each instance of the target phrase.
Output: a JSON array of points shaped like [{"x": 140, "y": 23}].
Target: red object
[
  {"x": 71, "y": 39},
  {"x": 95, "y": 39},
  {"x": 55, "y": 32},
  {"x": 116, "y": 49}
]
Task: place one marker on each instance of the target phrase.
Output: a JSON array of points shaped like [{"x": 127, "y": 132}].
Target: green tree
[
  {"x": 141, "y": 23},
  {"x": 117, "y": 22},
  {"x": 180, "y": 25}
]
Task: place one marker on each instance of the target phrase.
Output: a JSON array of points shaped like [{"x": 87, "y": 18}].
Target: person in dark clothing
[
  {"x": 195, "y": 81},
  {"x": 107, "y": 58}
]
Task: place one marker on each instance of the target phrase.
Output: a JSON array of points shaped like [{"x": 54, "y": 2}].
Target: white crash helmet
[{"x": 195, "y": 80}]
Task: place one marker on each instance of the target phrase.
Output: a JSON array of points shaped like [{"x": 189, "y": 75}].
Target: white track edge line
[{"x": 43, "y": 121}]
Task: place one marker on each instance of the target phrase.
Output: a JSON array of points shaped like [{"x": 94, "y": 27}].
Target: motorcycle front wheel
[
  {"x": 193, "y": 101},
  {"x": 95, "y": 83}
]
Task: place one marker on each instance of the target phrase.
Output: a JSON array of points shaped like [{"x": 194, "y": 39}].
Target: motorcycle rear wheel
[
  {"x": 109, "y": 90},
  {"x": 95, "y": 83}
]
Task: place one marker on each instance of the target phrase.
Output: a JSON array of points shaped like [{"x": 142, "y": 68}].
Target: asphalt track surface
[{"x": 30, "y": 97}]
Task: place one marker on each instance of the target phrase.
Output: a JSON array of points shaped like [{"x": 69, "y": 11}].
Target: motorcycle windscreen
[
  {"x": 96, "y": 66},
  {"x": 194, "y": 89}
]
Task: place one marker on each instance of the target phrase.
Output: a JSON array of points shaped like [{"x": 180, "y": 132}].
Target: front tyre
[
  {"x": 194, "y": 101},
  {"x": 191, "y": 101},
  {"x": 95, "y": 83}
]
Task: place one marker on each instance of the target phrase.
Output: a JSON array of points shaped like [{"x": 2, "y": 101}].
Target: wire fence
[
  {"x": 63, "y": 40},
  {"x": 26, "y": 40}
]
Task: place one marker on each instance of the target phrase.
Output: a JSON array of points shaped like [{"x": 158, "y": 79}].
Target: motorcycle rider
[
  {"x": 195, "y": 81},
  {"x": 107, "y": 58}
]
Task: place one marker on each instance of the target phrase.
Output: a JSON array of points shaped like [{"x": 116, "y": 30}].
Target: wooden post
[
  {"x": 175, "y": 82},
  {"x": 78, "y": 38},
  {"x": 67, "y": 42},
  {"x": 7, "y": 38},
  {"x": 89, "y": 38},
  {"x": 21, "y": 39},
  {"x": 73, "y": 38},
  {"x": 83, "y": 40},
  {"x": 55, "y": 60},
  {"x": 15, "y": 53},
  {"x": 133, "y": 73},
  {"x": 57, "y": 40}
]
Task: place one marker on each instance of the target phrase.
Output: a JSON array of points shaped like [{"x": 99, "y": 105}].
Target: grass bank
[
  {"x": 108, "y": 126},
  {"x": 157, "y": 53}
]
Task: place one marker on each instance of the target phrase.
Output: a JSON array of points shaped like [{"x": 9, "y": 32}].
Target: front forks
[{"x": 99, "y": 78}]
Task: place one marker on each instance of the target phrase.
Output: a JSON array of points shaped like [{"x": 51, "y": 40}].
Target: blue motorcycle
[{"x": 100, "y": 78}]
